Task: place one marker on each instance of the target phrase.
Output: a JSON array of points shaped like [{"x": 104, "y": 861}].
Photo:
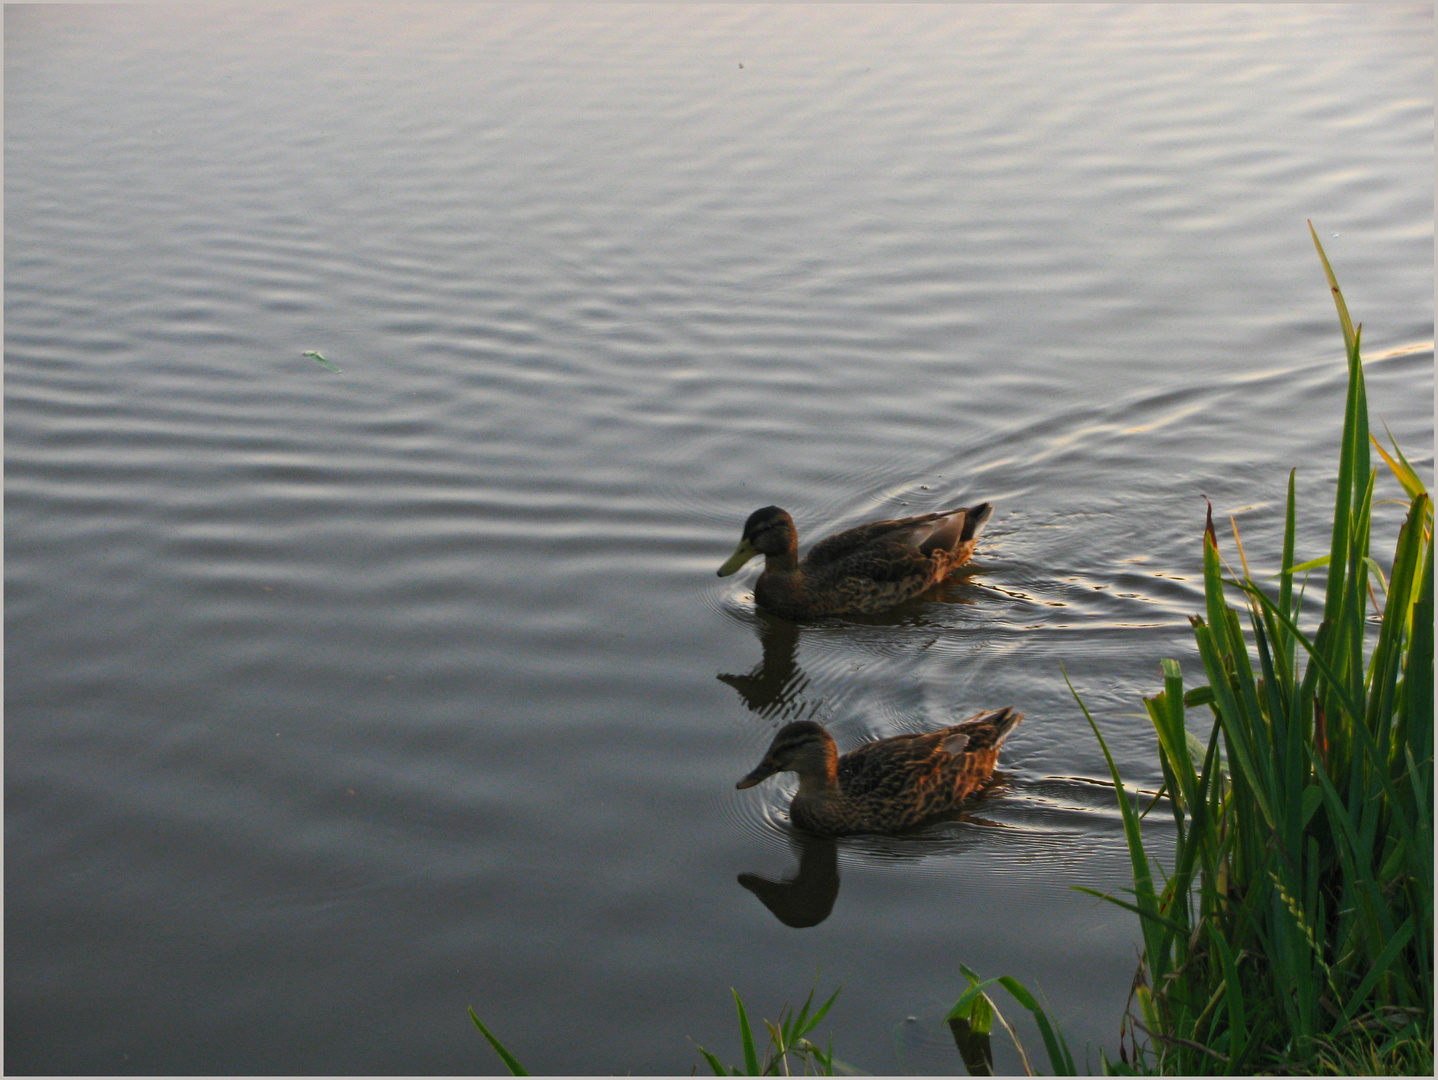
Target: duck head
[
  {"x": 769, "y": 531},
  {"x": 802, "y": 747}
]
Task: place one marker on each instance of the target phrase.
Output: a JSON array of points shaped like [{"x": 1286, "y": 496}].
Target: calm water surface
[{"x": 338, "y": 702}]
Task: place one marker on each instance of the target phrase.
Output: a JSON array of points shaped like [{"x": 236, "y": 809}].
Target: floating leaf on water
[{"x": 321, "y": 361}]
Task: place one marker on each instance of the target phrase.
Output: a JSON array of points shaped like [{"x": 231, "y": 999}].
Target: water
[{"x": 339, "y": 702}]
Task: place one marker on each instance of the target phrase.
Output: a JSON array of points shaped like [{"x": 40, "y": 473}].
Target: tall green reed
[{"x": 1295, "y": 928}]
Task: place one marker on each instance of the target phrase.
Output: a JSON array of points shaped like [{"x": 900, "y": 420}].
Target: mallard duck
[
  {"x": 888, "y": 785},
  {"x": 863, "y": 570}
]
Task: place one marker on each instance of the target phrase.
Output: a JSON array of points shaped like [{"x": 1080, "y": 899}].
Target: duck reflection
[
  {"x": 806, "y": 898},
  {"x": 776, "y": 687}
]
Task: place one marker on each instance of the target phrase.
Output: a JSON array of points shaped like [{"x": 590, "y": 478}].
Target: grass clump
[
  {"x": 788, "y": 1037},
  {"x": 788, "y": 1043},
  {"x": 1295, "y": 930}
]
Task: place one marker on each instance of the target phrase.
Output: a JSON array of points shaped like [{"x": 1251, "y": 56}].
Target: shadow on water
[
  {"x": 806, "y": 898},
  {"x": 774, "y": 689},
  {"x": 776, "y": 686}
]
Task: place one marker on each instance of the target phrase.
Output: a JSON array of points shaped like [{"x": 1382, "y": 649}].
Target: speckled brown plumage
[
  {"x": 863, "y": 570},
  {"x": 885, "y": 786}
]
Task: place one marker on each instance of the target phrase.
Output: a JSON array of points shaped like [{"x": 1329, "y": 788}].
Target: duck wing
[
  {"x": 884, "y": 561},
  {"x": 906, "y": 779},
  {"x": 890, "y": 766},
  {"x": 842, "y": 545},
  {"x": 921, "y": 534}
]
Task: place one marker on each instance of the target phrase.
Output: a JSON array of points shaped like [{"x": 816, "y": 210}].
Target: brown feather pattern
[{"x": 888, "y": 785}]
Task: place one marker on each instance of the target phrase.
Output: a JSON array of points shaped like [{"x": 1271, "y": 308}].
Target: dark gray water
[{"x": 338, "y": 702}]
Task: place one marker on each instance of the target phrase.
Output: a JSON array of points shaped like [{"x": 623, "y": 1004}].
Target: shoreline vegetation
[{"x": 1293, "y": 933}]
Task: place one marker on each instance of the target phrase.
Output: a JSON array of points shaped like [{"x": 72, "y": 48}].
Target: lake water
[{"x": 340, "y": 701}]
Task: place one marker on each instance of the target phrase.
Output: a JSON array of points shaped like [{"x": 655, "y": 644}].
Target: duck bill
[
  {"x": 763, "y": 772},
  {"x": 742, "y": 554}
]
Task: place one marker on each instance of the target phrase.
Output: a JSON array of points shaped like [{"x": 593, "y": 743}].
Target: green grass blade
[
  {"x": 1230, "y": 713},
  {"x": 1316, "y": 653},
  {"x": 778, "y": 1049},
  {"x": 791, "y": 1026},
  {"x": 818, "y": 1016},
  {"x": 1377, "y": 571},
  {"x": 746, "y": 1036},
  {"x": 963, "y": 1007},
  {"x": 1380, "y": 967},
  {"x": 1352, "y": 856},
  {"x": 977, "y": 1009},
  {"x": 1311, "y": 564},
  {"x": 1342, "y": 512},
  {"x": 981, "y": 1016},
  {"x": 1387, "y": 654},
  {"x": 1166, "y": 923},
  {"x": 1344, "y": 320},
  {"x": 715, "y": 1065},
  {"x": 1418, "y": 668},
  {"x": 1219, "y": 643},
  {"x": 968, "y": 1007},
  {"x": 1232, "y": 997},
  {"x": 1402, "y": 471},
  {"x": 1285, "y": 586},
  {"x": 1142, "y": 875},
  {"x": 823, "y": 1057},
  {"x": 515, "y": 1068},
  {"x": 1173, "y": 735},
  {"x": 1059, "y": 1056}
]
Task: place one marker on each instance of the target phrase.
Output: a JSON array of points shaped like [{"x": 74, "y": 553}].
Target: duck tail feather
[
  {"x": 956, "y": 528},
  {"x": 1005, "y": 720},
  {"x": 993, "y": 725},
  {"x": 946, "y": 533},
  {"x": 975, "y": 518}
]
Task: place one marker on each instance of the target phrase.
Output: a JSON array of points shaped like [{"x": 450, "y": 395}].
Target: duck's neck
[
  {"x": 780, "y": 587},
  {"x": 819, "y": 773},
  {"x": 783, "y": 562},
  {"x": 818, "y": 805}
]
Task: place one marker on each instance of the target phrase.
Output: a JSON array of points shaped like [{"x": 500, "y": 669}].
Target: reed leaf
[
  {"x": 510, "y": 1062},
  {"x": 746, "y": 1037},
  {"x": 1232, "y": 995},
  {"x": 1138, "y": 858},
  {"x": 1381, "y": 965},
  {"x": 1350, "y": 336},
  {"x": 1406, "y": 475},
  {"x": 1060, "y": 1058}
]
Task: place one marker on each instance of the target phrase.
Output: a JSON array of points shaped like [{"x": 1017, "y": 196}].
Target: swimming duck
[
  {"x": 863, "y": 570},
  {"x": 888, "y": 785}
]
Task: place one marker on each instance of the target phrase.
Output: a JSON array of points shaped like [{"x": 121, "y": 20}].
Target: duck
[
  {"x": 887, "y": 786},
  {"x": 861, "y": 571}
]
